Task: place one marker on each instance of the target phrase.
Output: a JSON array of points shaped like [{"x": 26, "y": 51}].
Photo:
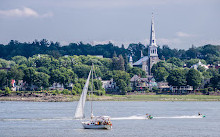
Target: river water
[{"x": 55, "y": 119}]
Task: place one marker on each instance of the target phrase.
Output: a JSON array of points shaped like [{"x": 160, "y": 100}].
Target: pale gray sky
[{"x": 178, "y": 23}]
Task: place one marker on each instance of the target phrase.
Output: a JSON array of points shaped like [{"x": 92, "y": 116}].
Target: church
[{"x": 147, "y": 62}]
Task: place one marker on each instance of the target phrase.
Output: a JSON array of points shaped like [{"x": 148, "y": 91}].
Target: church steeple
[
  {"x": 152, "y": 33},
  {"x": 152, "y": 50}
]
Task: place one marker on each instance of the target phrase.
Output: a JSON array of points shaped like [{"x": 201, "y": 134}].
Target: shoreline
[{"x": 70, "y": 98}]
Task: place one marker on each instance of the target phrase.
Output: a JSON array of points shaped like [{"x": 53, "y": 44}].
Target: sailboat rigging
[{"x": 95, "y": 122}]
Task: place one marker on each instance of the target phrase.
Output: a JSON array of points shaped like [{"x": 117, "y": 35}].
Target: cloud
[
  {"x": 24, "y": 12},
  {"x": 183, "y": 34}
]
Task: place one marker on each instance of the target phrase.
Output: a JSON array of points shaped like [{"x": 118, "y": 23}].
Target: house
[
  {"x": 137, "y": 83},
  {"x": 163, "y": 86},
  {"x": 110, "y": 86},
  {"x": 181, "y": 90},
  {"x": 56, "y": 86},
  {"x": 152, "y": 83}
]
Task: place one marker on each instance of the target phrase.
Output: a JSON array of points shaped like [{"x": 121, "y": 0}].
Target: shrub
[
  {"x": 100, "y": 92},
  {"x": 7, "y": 91},
  {"x": 74, "y": 92},
  {"x": 65, "y": 92},
  {"x": 54, "y": 92}
]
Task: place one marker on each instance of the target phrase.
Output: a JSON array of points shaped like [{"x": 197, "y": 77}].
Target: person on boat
[{"x": 199, "y": 114}]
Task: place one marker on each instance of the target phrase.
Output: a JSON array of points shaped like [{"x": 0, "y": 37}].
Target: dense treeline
[
  {"x": 210, "y": 53},
  {"x": 15, "y": 48},
  {"x": 43, "y": 63}
]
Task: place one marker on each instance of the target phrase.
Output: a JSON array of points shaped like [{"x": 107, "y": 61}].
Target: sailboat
[{"x": 95, "y": 122}]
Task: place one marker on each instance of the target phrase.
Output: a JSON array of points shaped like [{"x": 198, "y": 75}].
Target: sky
[{"x": 178, "y": 23}]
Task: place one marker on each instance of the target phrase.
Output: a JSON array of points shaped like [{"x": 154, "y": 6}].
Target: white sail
[{"x": 79, "y": 114}]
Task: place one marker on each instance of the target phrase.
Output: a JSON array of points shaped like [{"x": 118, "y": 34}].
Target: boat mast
[{"x": 92, "y": 93}]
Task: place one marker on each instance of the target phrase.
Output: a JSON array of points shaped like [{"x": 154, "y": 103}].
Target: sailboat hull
[{"x": 91, "y": 126}]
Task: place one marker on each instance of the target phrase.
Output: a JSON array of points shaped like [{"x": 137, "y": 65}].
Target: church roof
[{"x": 139, "y": 62}]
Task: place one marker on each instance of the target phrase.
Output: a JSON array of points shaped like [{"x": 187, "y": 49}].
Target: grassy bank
[
  {"x": 68, "y": 98},
  {"x": 160, "y": 98}
]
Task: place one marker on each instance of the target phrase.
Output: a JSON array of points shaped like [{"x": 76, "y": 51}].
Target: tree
[
  {"x": 121, "y": 63},
  {"x": 118, "y": 74},
  {"x": 192, "y": 52},
  {"x": 177, "y": 77},
  {"x": 136, "y": 71},
  {"x": 193, "y": 78},
  {"x": 97, "y": 84},
  {"x": 29, "y": 75},
  {"x": 82, "y": 71},
  {"x": 175, "y": 61},
  {"x": 3, "y": 78},
  {"x": 115, "y": 63},
  {"x": 41, "y": 79},
  {"x": 122, "y": 86},
  {"x": 160, "y": 74},
  {"x": 16, "y": 74},
  {"x": 122, "y": 79},
  {"x": 19, "y": 60},
  {"x": 215, "y": 81},
  {"x": 107, "y": 75}
]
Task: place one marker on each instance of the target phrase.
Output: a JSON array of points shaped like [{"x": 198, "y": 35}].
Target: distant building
[
  {"x": 21, "y": 86},
  {"x": 137, "y": 83},
  {"x": 146, "y": 62},
  {"x": 181, "y": 90},
  {"x": 163, "y": 85},
  {"x": 195, "y": 66},
  {"x": 56, "y": 86},
  {"x": 110, "y": 86}
]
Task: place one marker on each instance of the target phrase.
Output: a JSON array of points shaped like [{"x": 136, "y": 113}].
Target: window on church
[{"x": 153, "y": 41}]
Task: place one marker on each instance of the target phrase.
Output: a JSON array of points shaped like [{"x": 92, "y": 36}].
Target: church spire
[
  {"x": 152, "y": 49},
  {"x": 152, "y": 33}
]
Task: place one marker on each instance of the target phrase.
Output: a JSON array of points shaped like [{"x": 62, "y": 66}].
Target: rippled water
[{"x": 55, "y": 119}]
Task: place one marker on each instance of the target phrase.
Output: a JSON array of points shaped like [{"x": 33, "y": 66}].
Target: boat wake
[
  {"x": 180, "y": 117},
  {"x": 129, "y": 118},
  {"x": 36, "y": 119},
  {"x": 139, "y": 117}
]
